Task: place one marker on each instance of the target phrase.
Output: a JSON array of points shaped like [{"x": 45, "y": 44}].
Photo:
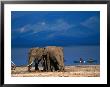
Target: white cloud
[
  {"x": 57, "y": 27},
  {"x": 61, "y": 25},
  {"x": 22, "y": 30},
  {"x": 43, "y": 23},
  {"x": 91, "y": 22}
]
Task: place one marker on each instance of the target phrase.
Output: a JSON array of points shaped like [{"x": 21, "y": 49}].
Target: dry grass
[{"x": 70, "y": 71}]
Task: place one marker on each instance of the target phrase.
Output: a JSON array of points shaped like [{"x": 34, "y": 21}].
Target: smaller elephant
[{"x": 36, "y": 55}]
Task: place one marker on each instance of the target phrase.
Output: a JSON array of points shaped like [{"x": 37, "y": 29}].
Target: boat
[
  {"x": 76, "y": 61},
  {"x": 91, "y": 60}
]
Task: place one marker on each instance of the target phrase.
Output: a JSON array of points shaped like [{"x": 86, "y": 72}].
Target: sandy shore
[{"x": 70, "y": 71}]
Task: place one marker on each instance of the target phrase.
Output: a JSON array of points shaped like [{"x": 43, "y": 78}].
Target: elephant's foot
[
  {"x": 63, "y": 70},
  {"x": 29, "y": 70},
  {"x": 36, "y": 69},
  {"x": 48, "y": 70},
  {"x": 43, "y": 70}
]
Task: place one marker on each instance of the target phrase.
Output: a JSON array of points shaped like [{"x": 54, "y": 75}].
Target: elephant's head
[{"x": 35, "y": 54}]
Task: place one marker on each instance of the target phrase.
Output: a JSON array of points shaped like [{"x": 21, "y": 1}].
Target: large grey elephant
[
  {"x": 56, "y": 58},
  {"x": 51, "y": 56}
]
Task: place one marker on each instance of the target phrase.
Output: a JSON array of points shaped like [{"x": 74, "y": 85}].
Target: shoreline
[{"x": 70, "y": 71}]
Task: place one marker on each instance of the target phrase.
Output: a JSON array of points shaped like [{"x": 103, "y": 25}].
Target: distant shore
[{"x": 70, "y": 71}]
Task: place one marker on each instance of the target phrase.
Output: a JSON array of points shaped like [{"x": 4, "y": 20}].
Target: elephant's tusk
[
  {"x": 30, "y": 64},
  {"x": 12, "y": 63}
]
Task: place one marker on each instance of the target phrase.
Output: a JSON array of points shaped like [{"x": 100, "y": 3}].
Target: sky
[{"x": 58, "y": 28}]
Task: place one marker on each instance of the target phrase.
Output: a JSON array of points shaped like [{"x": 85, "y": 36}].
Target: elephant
[
  {"x": 51, "y": 56},
  {"x": 35, "y": 56},
  {"x": 56, "y": 58}
]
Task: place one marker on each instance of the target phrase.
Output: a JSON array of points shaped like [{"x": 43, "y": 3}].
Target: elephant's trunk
[
  {"x": 30, "y": 62},
  {"x": 29, "y": 66}
]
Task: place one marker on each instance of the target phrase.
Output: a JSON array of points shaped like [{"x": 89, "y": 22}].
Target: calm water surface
[{"x": 20, "y": 55}]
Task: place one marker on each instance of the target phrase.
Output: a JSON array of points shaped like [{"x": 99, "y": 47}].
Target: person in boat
[{"x": 81, "y": 61}]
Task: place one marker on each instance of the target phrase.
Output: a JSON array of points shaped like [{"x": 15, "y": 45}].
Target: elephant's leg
[
  {"x": 52, "y": 67},
  {"x": 36, "y": 65},
  {"x": 54, "y": 64},
  {"x": 48, "y": 62},
  {"x": 60, "y": 63},
  {"x": 44, "y": 64},
  {"x": 63, "y": 68}
]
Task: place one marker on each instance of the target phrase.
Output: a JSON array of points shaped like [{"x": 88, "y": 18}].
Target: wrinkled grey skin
[{"x": 51, "y": 56}]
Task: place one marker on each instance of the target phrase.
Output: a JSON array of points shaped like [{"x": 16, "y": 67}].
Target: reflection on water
[{"x": 72, "y": 55}]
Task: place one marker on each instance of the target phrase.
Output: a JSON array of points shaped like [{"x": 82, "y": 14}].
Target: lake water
[{"x": 20, "y": 55}]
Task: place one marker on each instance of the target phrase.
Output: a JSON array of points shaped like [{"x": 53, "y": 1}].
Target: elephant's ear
[{"x": 45, "y": 50}]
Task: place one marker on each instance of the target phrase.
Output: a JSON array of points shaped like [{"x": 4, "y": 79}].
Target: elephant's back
[
  {"x": 55, "y": 51},
  {"x": 36, "y": 52}
]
